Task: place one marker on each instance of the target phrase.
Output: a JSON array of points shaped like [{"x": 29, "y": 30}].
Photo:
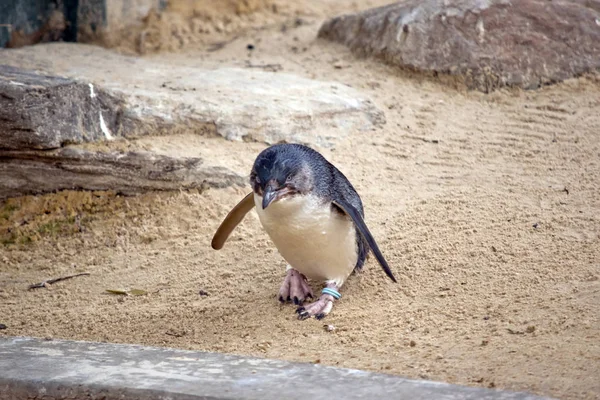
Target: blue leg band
[{"x": 332, "y": 292}]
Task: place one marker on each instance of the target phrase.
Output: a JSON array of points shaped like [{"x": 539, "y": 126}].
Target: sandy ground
[{"x": 487, "y": 207}]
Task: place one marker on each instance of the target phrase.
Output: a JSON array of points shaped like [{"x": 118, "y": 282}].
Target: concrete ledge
[{"x": 57, "y": 369}]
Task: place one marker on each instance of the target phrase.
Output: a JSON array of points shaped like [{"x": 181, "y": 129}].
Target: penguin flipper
[
  {"x": 235, "y": 216},
  {"x": 362, "y": 227}
]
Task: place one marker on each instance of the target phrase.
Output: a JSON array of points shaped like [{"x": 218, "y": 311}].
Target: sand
[{"x": 487, "y": 208}]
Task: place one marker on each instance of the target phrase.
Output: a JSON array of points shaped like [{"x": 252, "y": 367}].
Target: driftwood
[{"x": 34, "y": 172}]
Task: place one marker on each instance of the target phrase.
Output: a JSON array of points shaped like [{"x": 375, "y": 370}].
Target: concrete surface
[{"x": 57, "y": 369}]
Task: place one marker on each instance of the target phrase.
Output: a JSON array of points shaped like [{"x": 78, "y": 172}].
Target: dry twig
[
  {"x": 266, "y": 67},
  {"x": 51, "y": 281}
]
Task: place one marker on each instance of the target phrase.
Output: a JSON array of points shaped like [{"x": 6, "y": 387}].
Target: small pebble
[{"x": 2, "y": 326}]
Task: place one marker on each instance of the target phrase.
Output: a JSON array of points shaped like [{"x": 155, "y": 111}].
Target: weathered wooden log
[{"x": 36, "y": 171}]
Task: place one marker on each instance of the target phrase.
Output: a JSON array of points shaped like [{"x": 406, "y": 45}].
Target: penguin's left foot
[{"x": 320, "y": 308}]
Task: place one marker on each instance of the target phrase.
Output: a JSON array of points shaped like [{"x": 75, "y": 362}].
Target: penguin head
[{"x": 281, "y": 171}]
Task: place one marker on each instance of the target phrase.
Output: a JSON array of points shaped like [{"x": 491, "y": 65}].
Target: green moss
[
  {"x": 10, "y": 207},
  {"x": 51, "y": 228},
  {"x": 25, "y": 240},
  {"x": 8, "y": 239},
  {"x": 7, "y": 210}
]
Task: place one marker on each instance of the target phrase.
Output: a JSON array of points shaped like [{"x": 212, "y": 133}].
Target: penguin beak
[
  {"x": 272, "y": 194},
  {"x": 269, "y": 196}
]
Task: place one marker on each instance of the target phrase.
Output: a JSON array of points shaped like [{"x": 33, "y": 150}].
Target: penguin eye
[{"x": 288, "y": 179}]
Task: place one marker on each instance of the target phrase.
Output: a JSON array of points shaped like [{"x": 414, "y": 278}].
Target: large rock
[
  {"x": 487, "y": 43},
  {"x": 74, "y": 94},
  {"x": 153, "y": 97},
  {"x": 44, "y": 117},
  {"x": 45, "y": 112}
]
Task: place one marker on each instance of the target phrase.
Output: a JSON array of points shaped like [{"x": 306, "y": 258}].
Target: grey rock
[
  {"x": 43, "y": 118},
  {"x": 34, "y": 368},
  {"x": 73, "y": 94},
  {"x": 153, "y": 97},
  {"x": 40, "y": 111},
  {"x": 35, "y": 172},
  {"x": 485, "y": 43}
]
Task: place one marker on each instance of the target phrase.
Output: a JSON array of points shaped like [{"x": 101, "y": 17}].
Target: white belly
[{"x": 317, "y": 242}]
